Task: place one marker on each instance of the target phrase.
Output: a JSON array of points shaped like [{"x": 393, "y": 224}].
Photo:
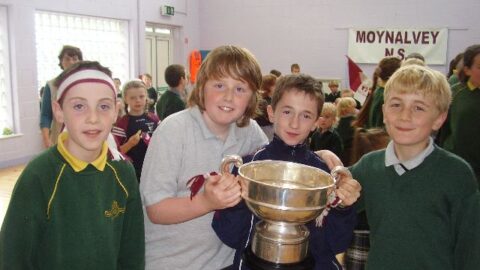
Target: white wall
[
  {"x": 21, "y": 148},
  {"x": 314, "y": 33}
]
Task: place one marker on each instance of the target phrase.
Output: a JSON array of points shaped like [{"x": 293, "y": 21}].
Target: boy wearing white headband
[{"x": 73, "y": 206}]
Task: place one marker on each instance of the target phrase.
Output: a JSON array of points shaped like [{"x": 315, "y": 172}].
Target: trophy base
[
  {"x": 280, "y": 242},
  {"x": 255, "y": 263}
]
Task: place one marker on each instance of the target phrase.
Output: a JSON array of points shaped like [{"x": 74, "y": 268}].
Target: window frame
[{"x": 7, "y": 112}]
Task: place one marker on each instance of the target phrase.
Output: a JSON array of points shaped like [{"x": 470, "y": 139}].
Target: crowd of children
[{"x": 162, "y": 203}]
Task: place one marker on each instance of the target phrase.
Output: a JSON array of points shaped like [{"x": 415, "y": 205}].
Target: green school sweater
[
  {"x": 427, "y": 218},
  {"x": 169, "y": 103},
  {"x": 62, "y": 219},
  {"x": 463, "y": 125}
]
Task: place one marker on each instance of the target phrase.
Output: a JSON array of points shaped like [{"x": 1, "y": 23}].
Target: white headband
[{"x": 84, "y": 76}]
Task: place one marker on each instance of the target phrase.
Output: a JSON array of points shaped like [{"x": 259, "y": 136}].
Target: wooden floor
[{"x": 8, "y": 178}]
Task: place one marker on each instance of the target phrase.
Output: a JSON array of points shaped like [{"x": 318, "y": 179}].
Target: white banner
[{"x": 371, "y": 45}]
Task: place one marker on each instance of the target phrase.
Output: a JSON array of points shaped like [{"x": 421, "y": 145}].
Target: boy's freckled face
[
  {"x": 294, "y": 117},
  {"x": 226, "y": 100},
  {"x": 88, "y": 112},
  {"x": 410, "y": 119}
]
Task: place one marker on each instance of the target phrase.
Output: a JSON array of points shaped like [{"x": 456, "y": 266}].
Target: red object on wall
[
  {"x": 354, "y": 74},
  {"x": 195, "y": 62}
]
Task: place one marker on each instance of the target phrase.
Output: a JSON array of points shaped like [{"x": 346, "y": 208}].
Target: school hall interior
[{"x": 134, "y": 37}]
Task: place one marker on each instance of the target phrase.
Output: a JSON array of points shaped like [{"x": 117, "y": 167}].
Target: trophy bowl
[
  {"x": 285, "y": 195},
  {"x": 281, "y": 191}
]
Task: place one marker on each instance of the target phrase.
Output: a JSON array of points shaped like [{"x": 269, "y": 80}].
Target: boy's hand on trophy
[
  {"x": 222, "y": 191},
  {"x": 348, "y": 190}
]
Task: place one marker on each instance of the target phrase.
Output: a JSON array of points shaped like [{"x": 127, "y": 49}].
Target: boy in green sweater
[
  {"x": 73, "y": 207},
  {"x": 422, "y": 202},
  {"x": 462, "y": 128}
]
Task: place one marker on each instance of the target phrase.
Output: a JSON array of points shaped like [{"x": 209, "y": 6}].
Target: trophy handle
[
  {"x": 236, "y": 160},
  {"x": 337, "y": 172},
  {"x": 332, "y": 199}
]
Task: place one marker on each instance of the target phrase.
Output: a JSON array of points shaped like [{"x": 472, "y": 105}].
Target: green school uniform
[{"x": 68, "y": 214}]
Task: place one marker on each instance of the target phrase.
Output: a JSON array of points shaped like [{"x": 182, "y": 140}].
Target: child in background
[
  {"x": 191, "y": 144},
  {"x": 118, "y": 84},
  {"x": 49, "y": 127},
  {"x": 346, "y": 114},
  {"x": 325, "y": 136},
  {"x": 267, "y": 88},
  {"x": 295, "y": 68},
  {"x": 133, "y": 131},
  {"x": 456, "y": 64},
  {"x": 121, "y": 108},
  {"x": 347, "y": 92},
  {"x": 371, "y": 115},
  {"x": 461, "y": 131},
  {"x": 296, "y": 105},
  {"x": 422, "y": 202},
  {"x": 73, "y": 207},
  {"x": 171, "y": 101},
  {"x": 334, "y": 93},
  {"x": 151, "y": 91}
]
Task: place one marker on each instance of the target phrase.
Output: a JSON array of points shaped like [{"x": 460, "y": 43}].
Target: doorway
[{"x": 159, "y": 47}]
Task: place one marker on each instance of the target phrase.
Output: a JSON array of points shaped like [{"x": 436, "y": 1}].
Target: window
[
  {"x": 6, "y": 110},
  {"x": 157, "y": 30},
  {"x": 100, "y": 39}
]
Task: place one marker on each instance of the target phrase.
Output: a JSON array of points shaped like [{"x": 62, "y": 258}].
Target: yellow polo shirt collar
[
  {"x": 470, "y": 86},
  {"x": 77, "y": 164}
]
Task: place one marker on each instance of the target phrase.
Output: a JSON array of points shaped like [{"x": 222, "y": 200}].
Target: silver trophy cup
[{"x": 285, "y": 196}]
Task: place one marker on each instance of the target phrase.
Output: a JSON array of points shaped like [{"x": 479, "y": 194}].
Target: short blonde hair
[
  {"x": 345, "y": 106},
  {"x": 228, "y": 61},
  {"x": 333, "y": 83},
  {"x": 329, "y": 108},
  {"x": 421, "y": 80}
]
